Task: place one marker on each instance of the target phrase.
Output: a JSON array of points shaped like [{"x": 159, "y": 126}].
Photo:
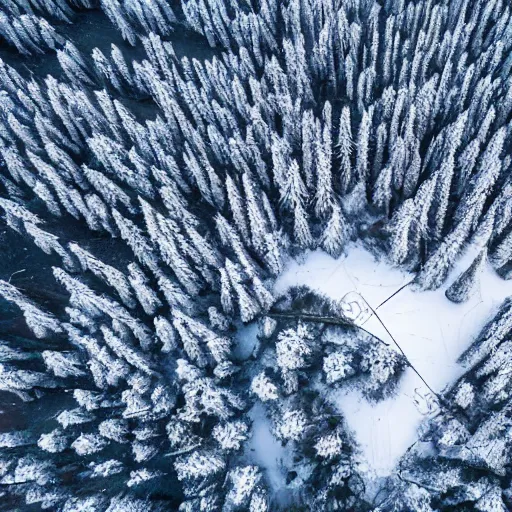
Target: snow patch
[
  {"x": 245, "y": 341},
  {"x": 432, "y": 331},
  {"x": 266, "y": 451}
]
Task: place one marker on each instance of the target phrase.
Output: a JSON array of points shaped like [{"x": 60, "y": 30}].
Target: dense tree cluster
[{"x": 316, "y": 123}]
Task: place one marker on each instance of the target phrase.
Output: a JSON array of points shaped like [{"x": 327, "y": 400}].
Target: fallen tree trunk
[{"x": 332, "y": 320}]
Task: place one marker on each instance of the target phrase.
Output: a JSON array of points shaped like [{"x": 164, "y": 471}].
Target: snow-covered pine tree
[
  {"x": 345, "y": 146},
  {"x": 324, "y": 184},
  {"x": 464, "y": 286},
  {"x": 41, "y": 323},
  {"x": 433, "y": 274},
  {"x": 336, "y": 233}
]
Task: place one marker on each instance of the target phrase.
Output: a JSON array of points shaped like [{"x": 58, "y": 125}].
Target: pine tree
[
  {"x": 308, "y": 151},
  {"x": 301, "y": 228},
  {"x": 123, "y": 350},
  {"x": 230, "y": 238},
  {"x": 40, "y": 322},
  {"x": 292, "y": 348},
  {"x": 355, "y": 202},
  {"x": 294, "y": 190},
  {"x": 135, "y": 239},
  {"x": 237, "y": 209},
  {"x": 423, "y": 204},
  {"x": 196, "y": 333},
  {"x": 345, "y": 145},
  {"x": 54, "y": 442},
  {"x": 400, "y": 231},
  {"x": 464, "y": 286},
  {"x": 292, "y": 425},
  {"x": 324, "y": 190},
  {"x": 443, "y": 193},
  {"x": 243, "y": 482},
  {"x": 110, "y": 275},
  {"x": 264, "y": 388},
  {"x": 145, "y": 294},
  {"x": 231, "y": 435},
  {"x": 336, "y": 233},
  {"x": 363, "y": 141},
  {"x": 247, "y": 304},
  {"x": 199, "y": 466},
  {"x": 49, "y": 244},
  {"x": 63, "y": 365},
  {"x": 338, "y": 366},
  {"x": 382, "y": 192},
  {"x": 503, "y": 252},
  {"x": 257, "y": 221},
  {"x": 439, "y": 264},
  {"x": 413, "y": 171},
  {"x": 481, "y": 185}
]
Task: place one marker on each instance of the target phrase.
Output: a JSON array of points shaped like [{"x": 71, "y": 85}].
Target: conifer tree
[
  {"x": 247, "y": 304},
  {"x": 324, "y": 190},
  {"x": 146, "y": 296},
  {"x": 236, "y": 206},
  {"x": 464, "y": 286},
  {"x": 135, "y": 239},
  {"x": 110, "y": 275},
  {"x": 336, "y": 233},
  {"x": 400, "y": 230},
  {"x": 503, "y": 252},
  {"x": 257, "y": 220},
  {"x": 345, "y": 145},
  {"x": 363, "y": 141},
  {"x": 382, "y": 192},
  {"x": 49, "y": 243},
  {"x": 40, "y": 322},
  {"x": 439, "y": 264},
  {"x": 302, "y": 232},
  {"x": 275, "y": 244},
  {"x": 293, "y": 191}
]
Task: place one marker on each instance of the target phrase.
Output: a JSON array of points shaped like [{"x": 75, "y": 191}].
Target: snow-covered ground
[
  {"x": 267, "y": 452},
  {"x": 245, "y": 341},
  {"x": 431, "y": 330}
]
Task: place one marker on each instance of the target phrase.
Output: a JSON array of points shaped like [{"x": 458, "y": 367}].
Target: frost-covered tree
[
  {"x": 383, "y": 367},
  {"x": 437, "y": 267},
  {"x": 345, "y": 147},
  {"x": 292, "y": 348},
  {"x": 338, "y": 366},
  {"x": 324, "y": 185},
  {"x": 464, "y": 286},
  {"x": 41, "y": 323},
  {"x": 336, "y": 233},
  {"x": 264, "y": 388},
  {"x": 291, "y": 425},
  {"x": 231, "y": 435}
]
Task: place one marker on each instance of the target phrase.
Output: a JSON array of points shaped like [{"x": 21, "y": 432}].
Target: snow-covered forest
[{"x": 168, "y": 168}]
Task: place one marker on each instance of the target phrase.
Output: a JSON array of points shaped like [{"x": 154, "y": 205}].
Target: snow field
[{"x": 432, "y": 331}]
